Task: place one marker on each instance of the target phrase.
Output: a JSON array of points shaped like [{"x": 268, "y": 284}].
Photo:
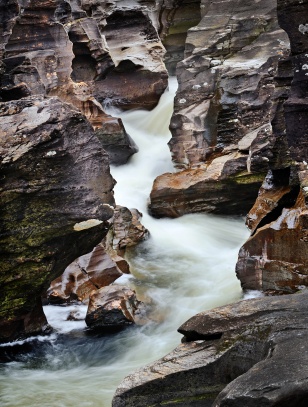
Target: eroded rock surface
[
  {"x": 104, "y": 264},
  {"x": 221, "y": 131},
  {"x": 88, "y": 53},
  {"x": 251, "y": 353},
  {"x": 274, "y": 259},
  {"x": 56, "y": 199},
  {"x": 113, "y": 308},
  {"x": 87, "y": 273}
]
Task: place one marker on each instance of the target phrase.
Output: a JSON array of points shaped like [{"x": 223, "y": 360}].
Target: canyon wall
[
  {"x": 62, "y": 63},
  {"x": 274, "y": 259},
  {"x": 251, "y": 353},
  {"x": 221, "y": 127}
]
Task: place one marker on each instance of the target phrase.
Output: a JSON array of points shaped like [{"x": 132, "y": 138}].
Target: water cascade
[{"x": 185, "y": 267}]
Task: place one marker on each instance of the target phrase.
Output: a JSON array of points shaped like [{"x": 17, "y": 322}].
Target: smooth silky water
[{"x": 186, "y": 266}]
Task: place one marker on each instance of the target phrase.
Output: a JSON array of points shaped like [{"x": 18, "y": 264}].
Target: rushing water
[{"x": 185, "y": 267}]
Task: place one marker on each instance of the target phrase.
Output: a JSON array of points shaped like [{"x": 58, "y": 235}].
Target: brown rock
[
  {"x": 113, "y": 308},
  {"x": 87, "y": 273},
  {"x": 275, "y": 257},
  {"x": 127, "y": 229},
  {"x": 206, "y": 189},
  {"x": 104, "y": 264},
  {"x": 119, "y": 145}
]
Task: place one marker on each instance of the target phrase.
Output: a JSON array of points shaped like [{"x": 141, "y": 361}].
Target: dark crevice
[
  {"x": 83, "y": 65},
  {"x": 287, "y": 201},
  {"x": 14, "y": 93},
  {"x": 194, "y": 336},
  {"x": 174, "y": 24}
]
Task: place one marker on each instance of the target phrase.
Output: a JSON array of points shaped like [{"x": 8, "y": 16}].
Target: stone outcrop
[
  {"x": 111, "y": 47},
  {"x": 274, "y": 259},
  {"x": 104, "y": 264},
  {"x": 251, "y": 353},
  {"x": 88, "y": 53},
  {"x": 221, "y": 131},
  {"x": 175, "y": 18},
  {"x": 86, "y": 274},
  {"x": 56, "y": 200},
  {"x": 114, "y": 308},
  {"x": 119, "y": 145}
]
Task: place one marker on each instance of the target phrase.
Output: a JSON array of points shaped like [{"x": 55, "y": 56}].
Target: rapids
[{"x": 185, "y": 267}]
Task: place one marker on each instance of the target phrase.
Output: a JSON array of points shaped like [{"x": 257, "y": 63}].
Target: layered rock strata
[
  {"x": 175, "y": 19},
  {"x": 251, "y": 353},
  {"x": 88, "y": 53},
  {"x": 274, "y": 259},
  {"x": 221, "y": 131},
  {"x": 56, "y": 200}
]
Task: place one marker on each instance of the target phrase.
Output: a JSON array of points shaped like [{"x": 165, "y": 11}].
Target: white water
[{"x": 185, "y": 267}]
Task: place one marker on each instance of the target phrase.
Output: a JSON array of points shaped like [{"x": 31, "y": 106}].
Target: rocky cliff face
[
  {"x": 275, "y": 256},
  {"x": 88, "y": 53},
  {"x": 221, "y": 131},
  {"x": 251, "y": 353},
  {"x": 62, "y": 62},
  {"x": 56, "y": 198}
]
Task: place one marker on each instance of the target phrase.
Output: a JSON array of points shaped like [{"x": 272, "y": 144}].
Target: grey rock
[
  {"x": 55, "y": 200},
  {"x": 251, "y": 353}
]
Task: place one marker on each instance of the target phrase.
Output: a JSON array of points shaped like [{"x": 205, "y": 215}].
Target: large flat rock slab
[{"x": 251, "y": 353}]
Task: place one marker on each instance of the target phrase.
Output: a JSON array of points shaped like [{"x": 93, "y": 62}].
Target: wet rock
[
  {"x": 87, "y": 273},
  {"x": 274, "y": 257},
  {"x": 127, "y": 229},
  {"x": 56, "y": 198},
  {"x": 104, "y": 264},
  {"x": 113, "y": 308},
  {"x": 251, "y": 353},
  {"x": 223, "y": 107},
  {"x": 210, "y": 189},
  {"x": 119, "y": 145}
]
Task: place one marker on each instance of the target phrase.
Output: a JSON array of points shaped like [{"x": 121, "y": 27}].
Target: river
[{"x": 185, "y": 267}]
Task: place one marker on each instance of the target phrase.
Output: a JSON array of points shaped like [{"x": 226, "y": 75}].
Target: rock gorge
[
  {"x": 239, "y": 355},
  {"x": 238, "y": 143}
]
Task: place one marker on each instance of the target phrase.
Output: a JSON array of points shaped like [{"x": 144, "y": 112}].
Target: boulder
[
  {"x": 119, "y": 145},
  {"x": 211, "y": 188},
  {"x": 87, "y": 273},
  {"x": 127, "y": 230},
  {"x": 104, "y": 264},
  {"x": 56, "y": 200},
  {"x": 251, "y": 353},
  {"x": 113, "y": 308}
]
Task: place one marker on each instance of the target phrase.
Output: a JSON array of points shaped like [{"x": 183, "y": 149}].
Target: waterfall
[{"x": 186, "y": 266}]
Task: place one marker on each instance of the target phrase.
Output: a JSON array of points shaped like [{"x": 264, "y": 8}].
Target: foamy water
[{"x": 185, "y": 267}]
